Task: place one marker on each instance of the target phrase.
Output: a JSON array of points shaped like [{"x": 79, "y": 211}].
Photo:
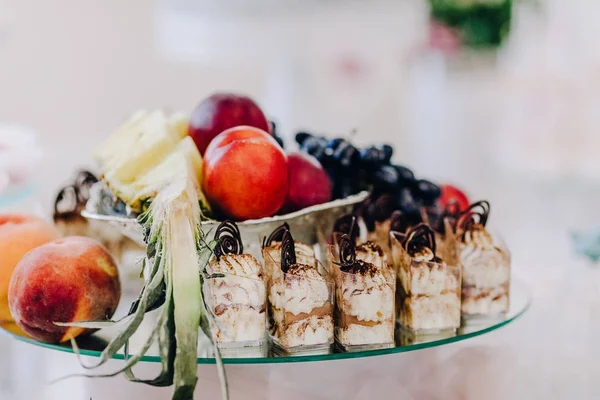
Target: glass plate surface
[{"x": 405, "y": 340}]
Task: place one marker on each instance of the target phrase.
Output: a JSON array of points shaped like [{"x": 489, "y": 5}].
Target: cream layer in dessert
[
  {"x": 365, "y": 304},
  {"x": 301, "y": 307},
  {"x": 429, "y": 294},
  {"x": 476, "y": 301},
  {"x": 238, "y": 299},
  {"x": 371, "y": 253}
]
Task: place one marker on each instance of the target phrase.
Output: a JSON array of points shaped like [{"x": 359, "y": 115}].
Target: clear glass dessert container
[
  {"x": 485, "y": 279},
  {"x": 238, "y": 305},
  {"x": 429, "y": 292},
  {"x": 301, "y": 308},
  {"x": 365, "y": 304}
]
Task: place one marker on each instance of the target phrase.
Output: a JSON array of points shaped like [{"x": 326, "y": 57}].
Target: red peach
[
  {"x": 19, "y": 233},
  {"x": 245, "y": 173},
  {"x": 68, "y": 280}
]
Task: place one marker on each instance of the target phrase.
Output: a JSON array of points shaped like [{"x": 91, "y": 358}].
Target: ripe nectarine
[
  {"x": 220, "y": 112},
  {"x": 69, "y": 280},
  {"x": 19, "y": 233},
  {"x": 245, "y": 173}
]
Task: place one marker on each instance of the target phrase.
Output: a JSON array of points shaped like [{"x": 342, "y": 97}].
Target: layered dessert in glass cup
[
  {"x": 429, "y": 287},
  {"x": 235, "y": 292},
  {"x": 300, "y": 302},
  {"x": 486, "y": 264},
  {"x": 365, "y": 307}
]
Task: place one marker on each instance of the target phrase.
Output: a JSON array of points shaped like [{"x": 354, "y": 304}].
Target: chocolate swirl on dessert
[
  {"x": 473, "y": 218},
  {"x": 229, "y": 239},
  {"x": 288, "y": 251},
  {"x": 66, "y": 203},
  {"x": 276, "y": 235},
  {"x": 419, "y": 238},
  {"x": 71, "y": 198},
  {"x": 84, "y": 182},
  {"x": 347, "y": 252},
  {"x": 347, "y": 225}
]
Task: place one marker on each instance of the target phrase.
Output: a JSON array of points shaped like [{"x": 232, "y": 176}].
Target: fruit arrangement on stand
[{"x": 226, "y": 167}]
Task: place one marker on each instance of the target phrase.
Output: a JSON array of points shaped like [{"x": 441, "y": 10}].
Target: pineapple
[
  {"x": 147, "y": 153},
  {"x": 144, "y": 141}
]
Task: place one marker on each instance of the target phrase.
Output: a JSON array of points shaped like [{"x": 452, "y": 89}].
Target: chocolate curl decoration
[
  {"x": 419, "y": 237},
  {"x": 476, "y": 215},
  {"x": 347, "y": 224},
  {"x": 66, "y": 202},
  {"x": 347, "y": 252},
  {"x": 229, "y": 239},
  {"x": 276, "y": 235},
  {"x": 83, "y": 182},
  {"x": 288, "y": 251}
]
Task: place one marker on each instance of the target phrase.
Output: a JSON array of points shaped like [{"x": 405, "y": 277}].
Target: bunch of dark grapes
[{"x": 353, "y": 169}]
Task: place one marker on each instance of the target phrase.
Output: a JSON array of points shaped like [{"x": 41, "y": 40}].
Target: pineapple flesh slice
[
  {"x": 144, "y": 141},
  {"x": 146, "y": 154}
]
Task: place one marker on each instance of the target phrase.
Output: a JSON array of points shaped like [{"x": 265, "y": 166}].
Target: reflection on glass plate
[{"x": 405, "y": 340}]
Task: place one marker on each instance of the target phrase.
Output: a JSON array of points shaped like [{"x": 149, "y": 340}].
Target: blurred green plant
[{"x": 479, "y": 23}]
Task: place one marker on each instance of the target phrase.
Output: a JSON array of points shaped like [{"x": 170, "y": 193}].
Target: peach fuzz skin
[
  {"x": 245, "y": 173},
  {"x": 19, "y": 233},
  {"x": 68, "y": 280}
]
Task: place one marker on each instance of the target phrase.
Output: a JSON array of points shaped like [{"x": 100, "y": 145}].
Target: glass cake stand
[{"x": 406, "y": 341}]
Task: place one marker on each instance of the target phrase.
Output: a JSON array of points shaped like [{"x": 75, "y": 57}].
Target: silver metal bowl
[{"x": 303, "y": 223}]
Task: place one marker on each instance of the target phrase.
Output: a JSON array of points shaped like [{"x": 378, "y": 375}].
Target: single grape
[
  {"x": 388, "y": 152},
  {"x": 386, "y": 177},
  {"x": 407, "y": 177},
  {"x": 346, "y": 155},
  {"x": 371, "y": 157},
  {"x": 428, "y": 191},
  {"x": 301, "y": 137},
  {"x": 314, "y": 146},
  {"x": 406, "y": 201}
]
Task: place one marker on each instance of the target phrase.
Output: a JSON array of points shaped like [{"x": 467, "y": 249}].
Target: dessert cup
[
  {"x": 365, "y": 306},
  {"x": 429, "y": 289},
  {"x": 235, "y": 293},
  {"x": 301, "y": 308},
  {"x": 486, "y": 279},
  {"x": 486, "y": 265}
]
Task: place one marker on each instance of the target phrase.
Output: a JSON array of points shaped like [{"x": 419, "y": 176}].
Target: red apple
[
  {"x": 308, "y": 183},
  {"x": 220, "y": 112},
  {"x": 452, "y": 194},
  {"x": 245, "y": 174}
]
